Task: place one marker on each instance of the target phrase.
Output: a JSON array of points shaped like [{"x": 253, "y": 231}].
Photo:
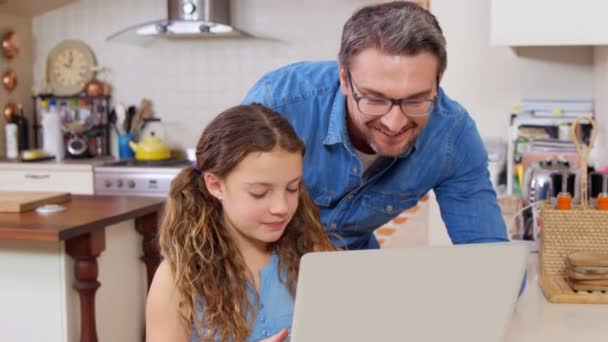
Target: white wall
[
  {"x": 190, "y": 81},
  {"x": 600, "y": 89},
  {"x": 490, "y": 80}
]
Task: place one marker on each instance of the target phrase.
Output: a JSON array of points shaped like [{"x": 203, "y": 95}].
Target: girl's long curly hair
[{"x": 209, "y": 271}]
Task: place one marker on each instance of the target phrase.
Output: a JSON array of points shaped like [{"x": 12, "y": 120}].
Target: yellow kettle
[{"x": 150, "y": 148}]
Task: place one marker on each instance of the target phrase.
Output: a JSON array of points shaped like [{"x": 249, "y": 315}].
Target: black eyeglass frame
[{"x": 432, "y": 102}]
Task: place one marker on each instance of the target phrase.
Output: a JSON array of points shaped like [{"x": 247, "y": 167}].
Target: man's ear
[
  {"x": 439, "y": 78},
  {"x": 214, "y": 185},
  {"x": 343, "y": 81}
]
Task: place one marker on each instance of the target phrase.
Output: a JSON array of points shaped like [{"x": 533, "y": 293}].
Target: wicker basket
[
  {"x": 567, "y": 231},
  {"x": 563, "y": 232}
]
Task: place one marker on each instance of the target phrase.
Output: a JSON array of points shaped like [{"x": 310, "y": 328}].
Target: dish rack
[{"x": 563, "y": 232}]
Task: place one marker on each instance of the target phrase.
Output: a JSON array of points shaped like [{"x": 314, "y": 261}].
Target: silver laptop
[{"x": 452, "y": 293}]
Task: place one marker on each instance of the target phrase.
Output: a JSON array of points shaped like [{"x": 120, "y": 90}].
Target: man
[{"x": 380, "y": 132}]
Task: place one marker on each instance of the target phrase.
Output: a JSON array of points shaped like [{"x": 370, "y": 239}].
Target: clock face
[{"x": 70, "y": 67}]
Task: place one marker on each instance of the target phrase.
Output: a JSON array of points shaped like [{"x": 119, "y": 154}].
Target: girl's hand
[{"x": 279, "y": 337}]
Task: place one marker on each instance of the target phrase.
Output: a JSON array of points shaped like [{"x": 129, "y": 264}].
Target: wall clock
[{"x": 70, "y": 65}]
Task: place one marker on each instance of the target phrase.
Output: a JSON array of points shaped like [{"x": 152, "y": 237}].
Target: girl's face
[{"x": 260, "y": 196}]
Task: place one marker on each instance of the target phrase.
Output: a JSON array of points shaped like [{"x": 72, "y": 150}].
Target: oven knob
[
  {"x": 131, "y": 184},
  {"x": 107, "y": 183},
  {"x": 119, "y": 183}
]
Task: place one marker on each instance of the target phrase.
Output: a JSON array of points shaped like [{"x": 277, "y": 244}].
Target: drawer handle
[{"x": 34, "y": 176}]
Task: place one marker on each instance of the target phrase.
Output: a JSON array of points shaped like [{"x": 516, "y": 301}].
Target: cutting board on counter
[{"x": 20, "y": 201}]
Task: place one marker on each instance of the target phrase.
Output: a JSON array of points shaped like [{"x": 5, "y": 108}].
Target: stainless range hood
[{"x": 188, "y": 19}]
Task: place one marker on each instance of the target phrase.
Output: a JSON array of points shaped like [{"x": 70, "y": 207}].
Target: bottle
[
  {"x": 52, "y": 136},
  {"x": 12, "y": 144},
  {"x": 23, "y": 131}
]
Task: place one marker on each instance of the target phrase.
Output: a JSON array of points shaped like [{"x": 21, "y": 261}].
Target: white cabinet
[
  {"x": 549, "y": 22},
  {"x": 73, "y": 178}
]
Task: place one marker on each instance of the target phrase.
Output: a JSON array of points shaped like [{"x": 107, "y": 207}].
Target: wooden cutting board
[{"x": 20, "y": 201}]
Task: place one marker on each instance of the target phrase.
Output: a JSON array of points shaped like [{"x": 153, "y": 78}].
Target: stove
[{"x": 137, "y": 178}]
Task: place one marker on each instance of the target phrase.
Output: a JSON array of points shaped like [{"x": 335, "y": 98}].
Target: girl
[{"x": 235, "y": 227}]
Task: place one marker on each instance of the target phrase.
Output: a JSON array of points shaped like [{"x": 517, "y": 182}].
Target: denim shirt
[{"x": 448, "y": 157}]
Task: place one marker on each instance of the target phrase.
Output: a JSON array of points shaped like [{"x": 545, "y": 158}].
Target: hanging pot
[
  {"x": 94, "y": 88},
  {"x": 10, "y": 46},
  {"x": 10, "y": 112},
  {"x": 9, "y": 80}
]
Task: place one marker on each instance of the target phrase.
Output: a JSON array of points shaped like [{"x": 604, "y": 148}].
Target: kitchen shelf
[
  {"x": 527, "y": 120},
  {"x": 100, "y": 105}
]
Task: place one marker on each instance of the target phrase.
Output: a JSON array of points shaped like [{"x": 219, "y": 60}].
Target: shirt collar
[{"x": 337, "y": 131}]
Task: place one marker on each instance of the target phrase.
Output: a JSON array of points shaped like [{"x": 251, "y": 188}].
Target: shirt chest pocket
[
  {"x": 389, "y": 204},
  {"x": 323, "y": 198}
]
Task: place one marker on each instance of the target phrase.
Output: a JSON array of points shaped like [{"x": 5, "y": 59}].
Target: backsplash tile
[{"x": 190, "y": 81}]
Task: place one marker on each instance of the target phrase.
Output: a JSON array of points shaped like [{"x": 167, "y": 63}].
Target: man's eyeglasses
[{"x": 380, "y": 105}]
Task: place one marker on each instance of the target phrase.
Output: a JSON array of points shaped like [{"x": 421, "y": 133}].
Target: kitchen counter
[
  {"x": 534, "y": 319},
  {"x": 49, "y": 263},
  {"x": 537, "y": 320},
  {"x": 84, "y": 164}
]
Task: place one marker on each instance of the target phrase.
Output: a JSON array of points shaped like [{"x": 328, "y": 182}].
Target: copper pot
[
  {"x": 10, "y": 46},
  {"x": 10, "y": 112},
  {"x": 94, "y": 88},
  {"x": 9, "y": 80}
]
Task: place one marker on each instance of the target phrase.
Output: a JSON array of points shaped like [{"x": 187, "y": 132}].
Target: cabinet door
[
  {"x": 549, "y": 22},
  {"x": 76, "y": 182}
]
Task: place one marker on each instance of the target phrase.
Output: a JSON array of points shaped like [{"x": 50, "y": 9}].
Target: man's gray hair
[{"x": 395, "y": 28}]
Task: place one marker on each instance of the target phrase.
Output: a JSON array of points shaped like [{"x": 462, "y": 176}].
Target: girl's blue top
[{"x": 276, "y": 304}]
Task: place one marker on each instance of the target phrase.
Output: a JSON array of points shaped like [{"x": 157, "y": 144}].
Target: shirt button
[
  {"x": 355, "y": 170},
  {"x": 349, "y": 197},
  {"x": 266, "y": 333},
  {"x": 333, "y": 225},
  {"x": 263, "y": 319},
  {"x": 389, "y": 208}
]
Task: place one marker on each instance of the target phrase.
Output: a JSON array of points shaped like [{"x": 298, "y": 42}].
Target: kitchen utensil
[
  {"x": 10, "y": 111},
  {"x": 124, "y": 149},
  {"x": 77, "y": 146},
  {"x": 129, "y": 118},
  {"x": 143, "y": 112},
  {"x": 9, "y": 80},
  {"x": 10, "y": 45},
  {"x": 20, "y": 201},
  {"x": 121, "y": 113},
  {"x": 150, "y": 148}
]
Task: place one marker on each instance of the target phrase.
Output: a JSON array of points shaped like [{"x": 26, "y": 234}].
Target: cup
[{"x": 124, "y": 150}]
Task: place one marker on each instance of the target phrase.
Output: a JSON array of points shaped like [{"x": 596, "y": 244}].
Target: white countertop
[
  {"x": 534, "y": 319},
  {"x": 85, "y": 164},
  {"x": 537, "y": 320}
]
